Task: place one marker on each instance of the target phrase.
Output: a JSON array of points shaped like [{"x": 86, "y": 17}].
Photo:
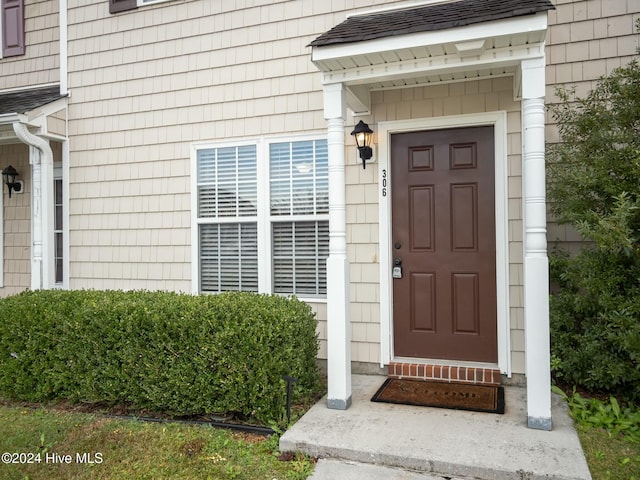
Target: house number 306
[{"x": 384, "y": 182}]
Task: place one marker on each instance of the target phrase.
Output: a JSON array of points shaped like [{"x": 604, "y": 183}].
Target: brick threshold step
[{"x": 445, "y": 373}]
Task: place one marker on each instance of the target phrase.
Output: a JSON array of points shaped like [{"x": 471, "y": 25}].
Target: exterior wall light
[
  {"x": 9, "y": 176},
  {"x": 363, "y": 135}
]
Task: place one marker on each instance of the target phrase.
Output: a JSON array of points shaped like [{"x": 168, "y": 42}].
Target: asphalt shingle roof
[
  {"x": 427, "y": 18},
  {"x": 23, "y": 101}
]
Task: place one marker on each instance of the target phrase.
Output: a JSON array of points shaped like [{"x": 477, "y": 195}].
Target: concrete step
[
  {"x": 329, "y": 469},
  {"x": 438, "y": 442}
]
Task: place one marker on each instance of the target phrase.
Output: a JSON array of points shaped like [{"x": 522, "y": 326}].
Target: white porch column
[
  {"x": 536, "y": 264},
  {"x": 338, "y": 324}
]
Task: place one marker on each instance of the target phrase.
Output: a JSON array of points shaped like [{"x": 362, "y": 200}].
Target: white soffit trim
[
  {"x": 485, "y": 50},
  {"x": 529, "y": 24}
]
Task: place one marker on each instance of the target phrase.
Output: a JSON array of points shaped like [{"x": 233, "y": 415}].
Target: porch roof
[
  {"x": 30, "y": 106},
  {"x": 439, "y": 16},
  {"x": 23, "y": 101},
  {"x": 435, "y": 43}
]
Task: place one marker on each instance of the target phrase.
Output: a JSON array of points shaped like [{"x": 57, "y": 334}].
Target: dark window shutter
[
  {"x": 116, "y": 6},
  {"x": 12, "y": 28}
]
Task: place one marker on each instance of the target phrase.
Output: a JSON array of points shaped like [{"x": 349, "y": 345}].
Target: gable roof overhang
[
  {"x": 30, "y": 106},
  {"x": 429, "y": 55}
]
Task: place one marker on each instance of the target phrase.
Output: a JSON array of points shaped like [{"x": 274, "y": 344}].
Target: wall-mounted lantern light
[
  {"x": 9, "y": 176},
  {"x": 363, "y": 135}
]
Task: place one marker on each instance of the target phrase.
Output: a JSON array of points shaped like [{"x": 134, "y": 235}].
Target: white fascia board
[
  {"x": 8, "y": 118},
  {"x": 30, "y": 87},
  {"x": 511, "y": 26}
]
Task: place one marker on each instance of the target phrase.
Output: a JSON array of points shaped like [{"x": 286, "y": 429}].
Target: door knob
[{"x": 396, "y": 271}]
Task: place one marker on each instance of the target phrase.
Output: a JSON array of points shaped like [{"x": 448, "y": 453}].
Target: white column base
[
  {"x": 540, "y": 423},
  {"x": 537, "y": 343},
  {"x": 338, "y": 334}
]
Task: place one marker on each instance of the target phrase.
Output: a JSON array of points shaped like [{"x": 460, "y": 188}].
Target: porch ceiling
[{"x": 432, "y": 54}]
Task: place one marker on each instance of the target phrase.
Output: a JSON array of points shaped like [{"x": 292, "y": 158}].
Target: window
[
  {"x": 279, "y": 244},
  {"x": 227, "y": 208},
  {"x": 58, "y": 238},
  {"x": 12, "y": 27},
  {"x": 116, "y": 6},
  {"x": 299, "y": 194}
]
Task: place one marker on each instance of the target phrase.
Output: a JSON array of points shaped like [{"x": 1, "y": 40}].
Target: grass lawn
[
  {"x": 610, "y": 457},
  {"x": 134, "y": 450},
  {"x": 137, "y": 450}
]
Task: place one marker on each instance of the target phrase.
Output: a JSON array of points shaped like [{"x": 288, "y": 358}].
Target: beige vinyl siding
[
  {"x": 151, "y": 83},
  {"x": 40, "y": 63},
  {"x": 148, "y": 84},
  {"x": 586, "y": 40},
  {"x": 56, "y": 124},
  {"x": 17, "y": 223}
]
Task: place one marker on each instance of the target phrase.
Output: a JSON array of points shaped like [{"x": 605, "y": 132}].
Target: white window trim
[
  {"x": 264, "y": 217},
  {"x": 196, "y": 221},
  {"x": 143, "y": 3},
  {"x": 61, "y": 170},
  {"x": 66, "y": 262},
  {"x": 499, "y": 121}
]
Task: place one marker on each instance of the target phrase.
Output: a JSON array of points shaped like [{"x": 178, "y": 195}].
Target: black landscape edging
[{"x": 264, "y": 431}]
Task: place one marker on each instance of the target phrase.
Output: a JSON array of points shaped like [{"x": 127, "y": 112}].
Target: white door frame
[{"x": 499, "y": 121}]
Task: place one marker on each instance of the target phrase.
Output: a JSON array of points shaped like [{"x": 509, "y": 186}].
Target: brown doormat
[{"x": 477, "y": 398}]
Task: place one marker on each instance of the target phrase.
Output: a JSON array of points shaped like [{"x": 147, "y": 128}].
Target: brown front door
[{"x": 443, "y": 240}]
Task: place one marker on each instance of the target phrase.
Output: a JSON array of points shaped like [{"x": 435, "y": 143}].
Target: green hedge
[{"x": 174, "y": 353}]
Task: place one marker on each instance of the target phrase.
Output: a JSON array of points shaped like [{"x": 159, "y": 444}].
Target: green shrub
[
  {"x": 166, "y": 352},
  {"x": 594, "y": 186}
]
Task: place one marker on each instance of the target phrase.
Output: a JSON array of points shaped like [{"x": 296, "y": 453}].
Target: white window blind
[
  {"x": 300, "y": 251},
  {"x": 299, "y": 208},
  {"x": 227, "y": 201},
  {"x": 299, "y": 178},
  {"x": 228, "y": 257},
  {"x": 227, "y": 182}
]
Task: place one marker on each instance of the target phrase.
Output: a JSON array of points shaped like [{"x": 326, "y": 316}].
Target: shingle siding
[
  {"x": 17, "y": 223},
  {"x": 586, "y": 40},
  {"x": 145, "y": 85},
  {"x": 39, "y": 65},
  {"x": 148, "y": 83}
]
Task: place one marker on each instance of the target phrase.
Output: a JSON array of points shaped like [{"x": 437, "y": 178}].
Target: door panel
[
  {"x": 464, "y": 217},
  {"x": 443, "y": 237},
  {"x": 423, "y": 302},
  {"x": 421, "y": 207}
]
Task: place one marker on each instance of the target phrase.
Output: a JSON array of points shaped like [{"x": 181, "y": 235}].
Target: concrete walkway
[{"x": 377, "y": 440}]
